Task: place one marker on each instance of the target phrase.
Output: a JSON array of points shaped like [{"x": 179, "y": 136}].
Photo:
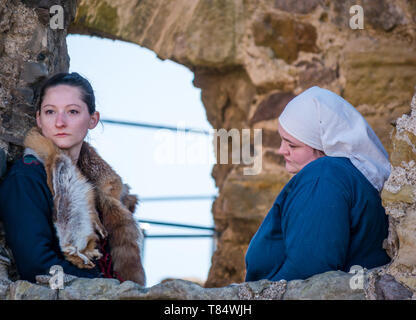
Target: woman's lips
[{"x": 61, "y": 135}]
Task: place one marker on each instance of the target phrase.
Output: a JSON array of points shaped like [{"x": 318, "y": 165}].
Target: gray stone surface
[
  {"x": 4, "y": 287},
  {"x": 26, "y": 94},
  {"x": 216, "y": 37},
  {"x": 333, "y": 285},
  {"x": 33, "y": 72},
  {"x": 262, "y": 290},
  {"x": 380, "y": 285},
  {"x": 24, "y": 290},
  {"x": 302, "y": 7},
  {"x": 389, "y": 289}
]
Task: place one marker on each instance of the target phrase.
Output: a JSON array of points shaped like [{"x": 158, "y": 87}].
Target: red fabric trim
[{"x": 105, "y": 263}]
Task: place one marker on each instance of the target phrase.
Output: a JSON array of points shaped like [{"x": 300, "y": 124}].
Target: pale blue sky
[{"x": 132, "y": 84}]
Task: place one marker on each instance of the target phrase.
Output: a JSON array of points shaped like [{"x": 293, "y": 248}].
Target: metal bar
[
  {"x": 177, "y": 198},
  {"x": 176, "y": 225},
  {"x": 179, "y": 236},
  {"x": 155, "y": 126}
]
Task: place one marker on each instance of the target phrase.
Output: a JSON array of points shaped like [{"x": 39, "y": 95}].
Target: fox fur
[{"x": 78, "y": 191}]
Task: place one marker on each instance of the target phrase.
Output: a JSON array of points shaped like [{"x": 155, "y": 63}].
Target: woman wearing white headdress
[{"x": 329, "y": 216}]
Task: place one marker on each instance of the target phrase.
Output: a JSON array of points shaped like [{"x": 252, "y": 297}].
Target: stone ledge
[{"x": 332, "y": 285}]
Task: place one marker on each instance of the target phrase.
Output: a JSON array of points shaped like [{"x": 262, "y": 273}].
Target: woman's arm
[
  {"x": 26, "y": 214},
  {"x": 316, "y": 230}
]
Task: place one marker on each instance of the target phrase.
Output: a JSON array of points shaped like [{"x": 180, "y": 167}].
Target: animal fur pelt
[{"x": 78, "y": 192}]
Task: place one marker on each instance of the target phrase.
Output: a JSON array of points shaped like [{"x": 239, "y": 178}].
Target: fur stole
[{"x": 78, "y": 192}]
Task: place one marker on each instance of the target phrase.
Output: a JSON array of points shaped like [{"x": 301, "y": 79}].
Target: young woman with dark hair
[{"x": 61, "y": 203}]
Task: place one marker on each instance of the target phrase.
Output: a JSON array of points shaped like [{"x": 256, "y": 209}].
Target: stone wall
[
  {"x": 29, "y": 51},
  {"x": 249, "y": 59},
  {"x": 399, "y": 199},
  {"x": 332, "y": 285}
]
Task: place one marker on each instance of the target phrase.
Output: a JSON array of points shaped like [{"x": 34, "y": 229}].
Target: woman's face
[
  {"x": 64, "y": 118},
  {"x": 296, "y": 153}
]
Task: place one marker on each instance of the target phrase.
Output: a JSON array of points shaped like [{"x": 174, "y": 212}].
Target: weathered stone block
[
  {"x": 90, "y": 289},
  {"x": 227, "y": 265},
  {"x": 274, "y": 158},
  {"x": 404, "y": 147},
  {"x": 24, "y": 290},
  {"x": 382, "y": 72},
  {"x": 380, "y": 14},
  {"x": 285, "y": 36},
  {"x": 272, "y": 106},
  {"x": 297, "y": 6},
  {"x": 33, "y": 72},
  {"x": 227, "y": 96},
  {"x": 262, "y": 290},
  {"x": 406, "y": 194},
  {"x": 387, "y": 288},
  {"x": 271, "y": 139},
  {"x": 315, "y": 74},
  {"x": 234, "y": 56},
  {"x": 25, "y": 93},
  {"x": 331, "y": 285}
]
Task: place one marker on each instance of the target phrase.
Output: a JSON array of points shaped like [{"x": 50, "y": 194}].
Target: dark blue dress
[
  {"x": 327, "y": 217},
  {"x": 26, "y": 208}
]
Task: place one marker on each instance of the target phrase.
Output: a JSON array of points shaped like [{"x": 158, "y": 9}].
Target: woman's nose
[
  {"x": 60, "y": 120},
  {"x": 282, "y": 149}
]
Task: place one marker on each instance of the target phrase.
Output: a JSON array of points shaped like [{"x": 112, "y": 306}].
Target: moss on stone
[
  {"x": 82, "y": 14},
  {"x": 106, "y": 19}
]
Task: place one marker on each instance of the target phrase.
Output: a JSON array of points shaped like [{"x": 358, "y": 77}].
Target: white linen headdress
[{"x": 325, "y": 121}]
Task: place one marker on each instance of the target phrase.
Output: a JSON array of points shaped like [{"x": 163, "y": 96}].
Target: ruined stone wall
[
  {"x": 249, "y": 57},
  {"x": 399, "y": 199},
  {"x": 29, "y": 51}
]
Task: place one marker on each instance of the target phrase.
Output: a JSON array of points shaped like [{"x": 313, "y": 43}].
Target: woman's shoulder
[
  {"x": 326, "y": 167},
  {"x": 337, "y": 170},
  {"x": 334, "y": 170},
  {"x": 328, "y": 164},
  {"x": 25, "y": 179},
  {"x": 27, "y": 165}
]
